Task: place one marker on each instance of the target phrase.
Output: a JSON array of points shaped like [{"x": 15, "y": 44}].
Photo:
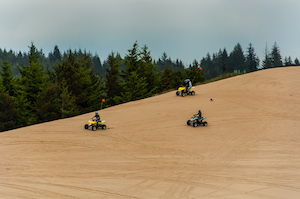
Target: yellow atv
[
  {"x": 182, "y": 91},
  {"x": 93, "y": 124}
]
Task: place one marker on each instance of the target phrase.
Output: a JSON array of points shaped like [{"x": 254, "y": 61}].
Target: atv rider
[
  {"x": 97, "y": 117},
  {"x": 199, "y": 114},
  {"x": 188, "y": 85}
]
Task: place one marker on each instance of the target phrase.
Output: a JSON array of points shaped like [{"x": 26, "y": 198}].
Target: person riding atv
[
  {"x": 197, "y": 119},
  {"x": 96, "y": 123},
  {"x": 186, "y": 89},
  {"x": 97, "y": 117}
]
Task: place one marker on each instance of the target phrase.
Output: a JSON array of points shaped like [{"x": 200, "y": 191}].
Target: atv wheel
[
  {"x": 103, "y": 127},
  {"x": 193, "y": 93},
  {"x": 195, "y": 124},
  {"x": 188, "y": 122},
  {"x": 182, "y": 94},
  {"x": 86, "y": 126},
  {"x": 177, "y": 93},
  {"x": 204, "y": 123},
  {"x": 94, "y": 128}
]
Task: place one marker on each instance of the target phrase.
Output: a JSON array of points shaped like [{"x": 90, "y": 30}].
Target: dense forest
[{"x": 37, "y": 88}]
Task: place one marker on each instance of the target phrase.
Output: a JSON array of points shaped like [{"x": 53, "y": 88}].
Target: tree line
[{"x": 35, "y": 88}]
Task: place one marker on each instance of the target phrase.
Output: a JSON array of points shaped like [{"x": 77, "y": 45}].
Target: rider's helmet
[
  {"x": 96, "y": 113},
  {"x": 199, "y": 111}
]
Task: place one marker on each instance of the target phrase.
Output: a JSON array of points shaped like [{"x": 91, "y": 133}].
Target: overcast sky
[{"x": 184, "y": 29}]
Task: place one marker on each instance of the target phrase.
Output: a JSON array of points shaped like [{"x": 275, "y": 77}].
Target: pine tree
[
  {"x": 275, "y": 56},
  {"x": 33, "y": 81},
  {"x": 68, "y": 102},
  {"x": 297, "y": 63},
  {"x": 147, "y": 70},
  {"x": 113, "y": 87},
  {"x": 55, "y": 56},
  {"x": 207, "y": 63},
  {"x": 49, "y": 103},
  {"x": 252, "y": 60},
  {"x": 8, "y": 113},
  {"x": 134, "y": 88},
  {"x": 8, "y": 80},
  {"x": 196, "y": 74},
  {"x": 236, "y": 60},
  {"x": 134, "y": 85},
  {"x": 288, "y": 61},
  {"x": 166, "y": 79},
  {"x": 267, "y": 62}
]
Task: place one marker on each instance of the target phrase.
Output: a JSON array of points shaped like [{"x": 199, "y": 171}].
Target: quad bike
[
  {"x": 182, "y": 91},
  {"x": 93, "y": 124},
  {"x": 196, "y": 120}
]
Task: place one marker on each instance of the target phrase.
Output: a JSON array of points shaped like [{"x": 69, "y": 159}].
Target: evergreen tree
[
  {"x": 55, "y": 56},
  {"x": 178, "y": 78},
  {"x": 252, "y": 60},
  {"x": 288, "y": 61},
  {"x": 79, "y": 78},
  {"x": 207, "y": 63},
  {"x": 196, "y": 74},
  {"x": 8, "y": 113},
  {"x": 92, "y": 89},
  {"x": 99, "y": 69},
  {"x": 68, "y": 102},
  {"x": 147, "y": 70},
  {"x": 49, "y": 103},
  {"x": 33, "y": 81},
  {"x": 267, "y": 62},
  {"x": 236, "y": 60},
  {"x": 8, "y": 80},
  {"x": 275, "y": 56},
  {"x": 134, "y": 85},
  {"x": 134, "y": 88},
  {"x": 113, "y": 87},
  {"x": 297, "y": 63},
  {"x": 167, "y": 79}
]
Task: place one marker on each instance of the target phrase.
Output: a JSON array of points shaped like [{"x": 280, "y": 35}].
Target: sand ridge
[{"x": 250, "y": 148}]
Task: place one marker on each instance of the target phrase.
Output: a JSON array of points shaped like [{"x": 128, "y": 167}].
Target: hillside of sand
[{"x": 250, "y": 148}]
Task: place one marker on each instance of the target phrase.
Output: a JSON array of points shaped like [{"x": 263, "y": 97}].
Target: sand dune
[{"x": 250, "y": 148}]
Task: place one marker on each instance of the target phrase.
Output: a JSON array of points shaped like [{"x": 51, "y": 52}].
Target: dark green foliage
[
  {"x": 55, "y": 56},
  {"x": 134, "y": 82},
  {"x": 80, "y": 80},
  {"x": 8, "y": 113},
  {"x": 297, "y": 63},
  {"x": 288, "y": 61},
  {"x": 165, "y": 61},
  {"x": 112, "y": 82},
  {"x": 195, "y": 74},
  {"x": 167, "y": 81},
  {"x": 252, "y": 60},
  {"x": 8, "y": 81},
  {"x": 267, "y": 62},
  {"x": 208, "y": 66},
  {"x": 49, "y": 104},
  {"x": 275, "y": 56},
  {"x": 32, "y": 82},
  {"x": 67, "y": 101},
  {"x": 147, "y": 70},
  {"x": 236, "y": 60},
  {"x": 134, "y": 88}
]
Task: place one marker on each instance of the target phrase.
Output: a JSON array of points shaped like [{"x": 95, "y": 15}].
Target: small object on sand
[{"x": 211, "y": 100}]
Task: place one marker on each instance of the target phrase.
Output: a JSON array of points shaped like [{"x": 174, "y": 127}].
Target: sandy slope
[{"x": 250, "y": 149}]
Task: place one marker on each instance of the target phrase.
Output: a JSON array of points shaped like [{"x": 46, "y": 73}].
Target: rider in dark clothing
[
  {"x": 97, "y": 117},
  {"x": 199, "y": 114}
]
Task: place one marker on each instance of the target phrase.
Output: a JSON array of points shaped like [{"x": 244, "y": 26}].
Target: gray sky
[{"x": 184, "y": 29}]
